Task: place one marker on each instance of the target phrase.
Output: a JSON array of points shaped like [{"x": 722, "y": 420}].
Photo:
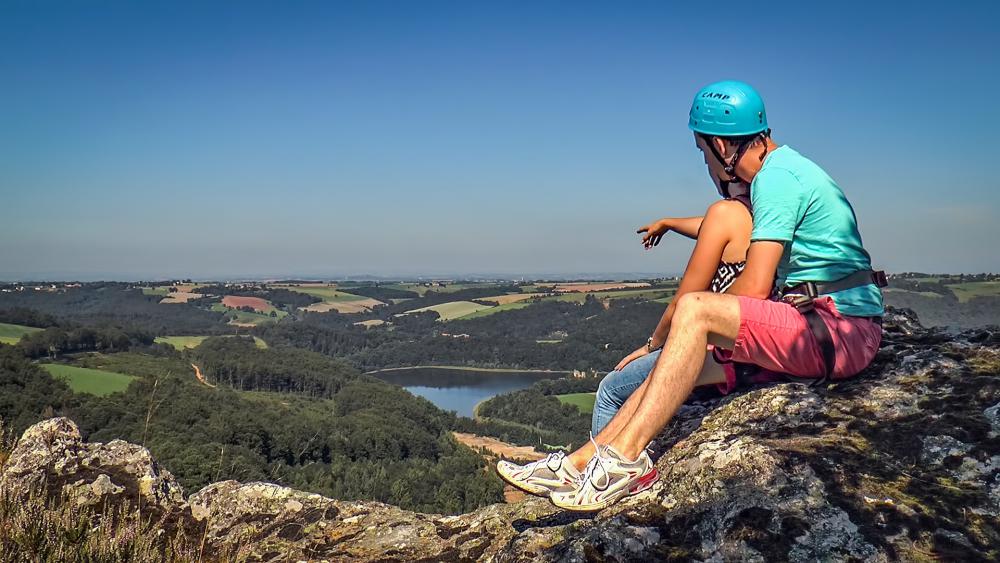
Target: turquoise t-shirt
[{"x": 797, "y": 203}]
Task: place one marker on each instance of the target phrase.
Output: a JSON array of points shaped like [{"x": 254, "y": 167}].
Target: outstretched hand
[{"x": 654, "y": 232}]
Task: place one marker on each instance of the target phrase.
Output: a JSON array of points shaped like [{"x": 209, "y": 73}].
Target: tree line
[{"x": 56, "y": 341}]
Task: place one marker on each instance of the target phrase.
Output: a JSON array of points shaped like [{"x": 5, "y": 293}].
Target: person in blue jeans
[
  {"x": 616, "y": 387},
  {"x": 723, "y": 236}
]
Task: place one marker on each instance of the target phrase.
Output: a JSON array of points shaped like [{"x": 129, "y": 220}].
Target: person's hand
[
  {"x": 654, "y": 232},
  {"x": 640, "y": 352}
]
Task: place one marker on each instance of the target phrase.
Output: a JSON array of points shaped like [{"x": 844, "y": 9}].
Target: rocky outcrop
[
  {"x": 52, "y": 457},
  {"x": 900, "y": 463}
]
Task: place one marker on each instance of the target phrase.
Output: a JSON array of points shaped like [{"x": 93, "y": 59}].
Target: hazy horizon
[
  {"x": 226, "y": 141},
  {"x": 69, "y": 277}
]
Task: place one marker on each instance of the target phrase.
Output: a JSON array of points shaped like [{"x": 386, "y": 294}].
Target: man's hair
[{"x": 743, "y": 139}]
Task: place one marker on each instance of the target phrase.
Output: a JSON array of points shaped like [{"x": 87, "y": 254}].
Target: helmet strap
[
  {"x": 730, "y": 167},
  {"x": 711, "y": 147}
]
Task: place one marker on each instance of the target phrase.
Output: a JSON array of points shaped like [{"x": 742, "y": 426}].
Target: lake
[{"x": 460, "y": 390}]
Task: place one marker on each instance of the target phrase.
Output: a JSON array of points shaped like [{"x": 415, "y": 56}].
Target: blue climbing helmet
[{"x": 729, "y": 108}]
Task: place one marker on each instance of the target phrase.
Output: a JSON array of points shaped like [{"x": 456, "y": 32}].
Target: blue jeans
[{"x": 617, "y": 387}]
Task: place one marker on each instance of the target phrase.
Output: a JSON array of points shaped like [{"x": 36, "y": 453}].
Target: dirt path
[
  {"x": 498, "y": 448},
  {"x": 200, "y": 376}
]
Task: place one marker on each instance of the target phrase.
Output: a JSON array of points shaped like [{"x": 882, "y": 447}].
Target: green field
[
  {"x": 136, "y": 364},
  {"x": 418, "y": 289},
  {"x": 582, "y": 401},
  {"x": 92, "y": 381},
  {"x": 328, "y": 294},
  {"x": 924, "y": 293},
  {"x": 186, "y": 342},
  {"x": 967, "y": 291},
  {"x": 162, "y": 291},
  {"x": 248, "y": 318},
  {"x": 535, "y": 287},
  {"x": 497, "y": 309},
  {"x": 244, "y": 317},
  {"x": 453, "y": 309},
  {"x": 422, "y": 289},
  {"x": 11, "y": 334},
  {"x": 647, "y": 294}
]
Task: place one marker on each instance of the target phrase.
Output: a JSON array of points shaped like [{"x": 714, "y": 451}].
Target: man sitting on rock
[{"x": 807, "y": 305}]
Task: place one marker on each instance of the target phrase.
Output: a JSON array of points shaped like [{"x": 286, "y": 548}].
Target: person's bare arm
[
  {"x": 715, "y": 234},
  {"x": 687, "y": 226},
  {"x": 757, "y": 278}
]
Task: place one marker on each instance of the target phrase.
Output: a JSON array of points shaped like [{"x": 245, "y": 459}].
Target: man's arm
[{"x": 757, "y": 278}]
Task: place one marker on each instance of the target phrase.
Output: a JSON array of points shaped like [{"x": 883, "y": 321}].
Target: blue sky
[{"x": 203, "y": 139}]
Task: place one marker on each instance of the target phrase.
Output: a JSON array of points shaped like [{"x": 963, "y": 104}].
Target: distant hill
[{"x": 956, "y": 302}]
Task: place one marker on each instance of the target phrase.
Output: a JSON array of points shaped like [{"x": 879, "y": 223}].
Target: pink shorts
[{"x": 776, "y": 337}]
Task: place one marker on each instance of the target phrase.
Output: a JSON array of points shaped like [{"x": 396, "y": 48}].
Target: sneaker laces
[
  {"x": 547, "y": 462},
  {"x": 597, "y": 461},
  {"x": 554, "y": 456}
]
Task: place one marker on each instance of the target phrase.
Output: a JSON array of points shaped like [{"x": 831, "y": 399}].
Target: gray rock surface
[
  {"x": 51, "y": 456},
  {"x": 901, "y": 463}
]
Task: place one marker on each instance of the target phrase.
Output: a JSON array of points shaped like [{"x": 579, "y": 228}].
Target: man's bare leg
[
  {"x": 699, "y": 318},
  {"x": 710, "y": 373}
]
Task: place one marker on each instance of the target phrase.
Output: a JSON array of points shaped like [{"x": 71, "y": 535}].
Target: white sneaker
[
  {"x": 540, "y": 477},
  {"x": 608, "y": 478}
]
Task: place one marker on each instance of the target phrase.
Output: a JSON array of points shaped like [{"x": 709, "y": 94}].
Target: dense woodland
[
  {"x": 118, "y": 304},
  {"x": 27, "y": 317},
  {"x": 384, "y": 294},
  {"x": 56, "y": 341},
  {"x": 538, "y": 417},
  {"x": 331, "y": 430},
  {"x": 596, "y": 337}
]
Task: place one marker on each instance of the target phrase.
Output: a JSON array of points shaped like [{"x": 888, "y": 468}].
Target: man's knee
[
  {"x": 691, "y": 307},
  {"x": 717, "y": 315}
]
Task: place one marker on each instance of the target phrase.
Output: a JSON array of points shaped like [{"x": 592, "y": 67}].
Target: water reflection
[{"x": 460, "y": 390}]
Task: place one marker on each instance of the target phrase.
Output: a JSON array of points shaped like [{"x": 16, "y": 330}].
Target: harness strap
[
  {"x": 804, "y": 305},
  {"x": 825, "y": 341},
  {"x": 857, "y": 279}
]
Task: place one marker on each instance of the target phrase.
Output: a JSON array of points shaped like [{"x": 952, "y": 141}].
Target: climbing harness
[{"x": 803, "y": 295}]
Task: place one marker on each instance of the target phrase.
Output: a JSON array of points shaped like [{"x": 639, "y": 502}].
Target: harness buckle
[
  {"x": 811, "y": 290},
  {"x": 879, "y": 278},
  {"x": 802, "y": 303}
]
